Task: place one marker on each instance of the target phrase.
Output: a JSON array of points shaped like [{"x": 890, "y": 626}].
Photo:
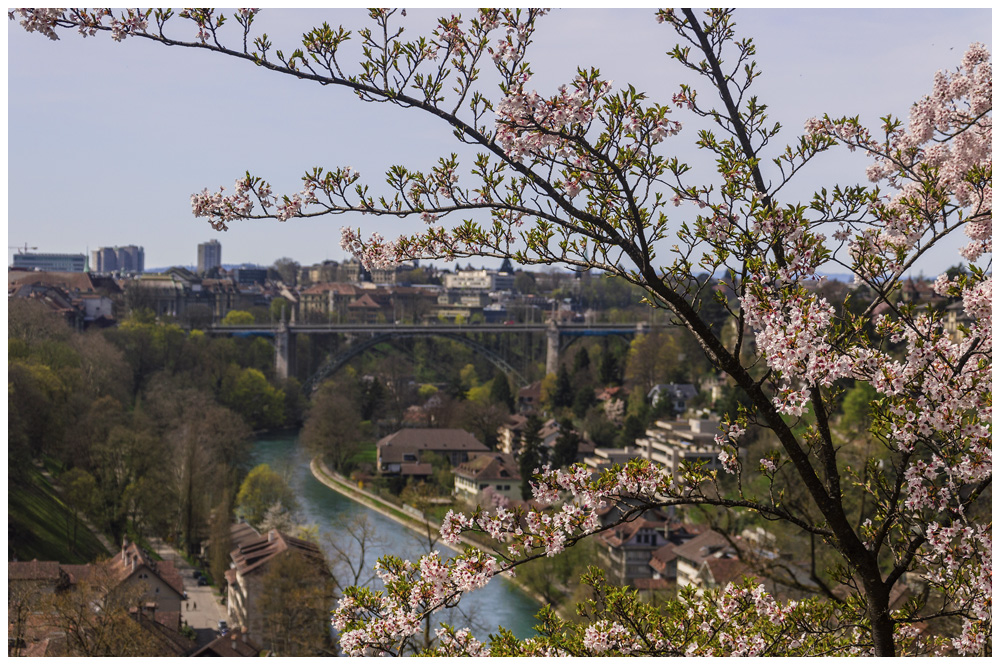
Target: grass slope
[{"x": 39, "y": 524}]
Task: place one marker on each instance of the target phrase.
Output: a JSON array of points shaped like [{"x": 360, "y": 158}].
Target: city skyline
[{"x": 166, "y": 123}]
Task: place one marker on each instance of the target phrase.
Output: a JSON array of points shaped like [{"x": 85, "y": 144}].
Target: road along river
[{"x": 498, "y": 604}]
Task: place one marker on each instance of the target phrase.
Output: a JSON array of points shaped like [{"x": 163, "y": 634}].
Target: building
[
  {"x": 404, "y": 452},
  {"x": 605, "y": 458},
  {"x": 673, "y": 443},
  {"x": 80, "y": 298},
  {"x": 497, "y": 471},
  {"x": 209, "y": 256},
  {"x": 251, "y": 560},
  {"x": 51, "y": 262},
  {"x": 479, "y": 280},
  {"x": 663, "y": 561},
  {"x": 233, "y": 645},
  {"x": 529, "y": 397},
  {"x": 129, "y": 259},
  {"x": 162, "y": 583},
  {"x": 246, "y": 275},
  {"x": 626, "y": 549},
  {"x": 678, "y": 395},
  {"x": 327, "y": 302},
  {"x": 955, "y": 319},
  {"x": 510, "y": 433},
  {"x": 104, "y": 260}
]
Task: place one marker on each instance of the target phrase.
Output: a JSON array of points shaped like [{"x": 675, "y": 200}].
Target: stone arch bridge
[{"x": 366, "y": 336}]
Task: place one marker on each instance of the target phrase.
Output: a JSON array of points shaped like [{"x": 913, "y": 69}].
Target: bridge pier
[
  {"x": 284, "y": 351},
  {"x": 552, "y": 348}
]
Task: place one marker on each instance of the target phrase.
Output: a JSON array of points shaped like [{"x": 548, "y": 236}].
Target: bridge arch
[{"x": 336, "y": 363}]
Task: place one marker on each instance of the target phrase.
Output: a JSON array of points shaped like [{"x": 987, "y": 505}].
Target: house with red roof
[
  {"x": 251, "y": 560},
  {"x": 496, "y": 471},
  {"x": 158, "y": 609},
  {"x": 404, "y": 453},
  {"x": 626, "y": 549}
]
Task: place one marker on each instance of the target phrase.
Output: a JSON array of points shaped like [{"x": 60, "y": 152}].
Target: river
[{"x": 499, "y": 603}]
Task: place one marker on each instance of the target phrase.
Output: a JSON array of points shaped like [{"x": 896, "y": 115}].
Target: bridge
[{"x": 370, "y": 335}]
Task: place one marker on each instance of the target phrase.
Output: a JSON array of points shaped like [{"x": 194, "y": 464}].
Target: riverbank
[{"x": 343, "y": 486}]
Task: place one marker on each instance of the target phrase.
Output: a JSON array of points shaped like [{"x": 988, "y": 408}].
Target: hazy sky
[{"x": 107, "y": 141}]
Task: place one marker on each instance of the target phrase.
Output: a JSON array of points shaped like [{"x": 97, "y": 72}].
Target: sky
[{"x": 107, "y": 141}]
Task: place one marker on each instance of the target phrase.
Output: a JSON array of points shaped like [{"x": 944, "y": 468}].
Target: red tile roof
[
  {"x": 492, "y": 466},
  {"x": 622, "y": 533},
  {"x": 415, "y": 440},
  {"x": 229, "y": 646},
  {"x": 121, "y": 565},
  {"x": 252, "y": 556},
  {"x": 33, "y": 570},
  {"x": 728, "y": 570},
  {"x": 71, "y": 281},
  {"x": 364, "y": 302}
]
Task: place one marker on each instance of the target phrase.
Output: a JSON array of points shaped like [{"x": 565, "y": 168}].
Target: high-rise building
[
  {"x": 131, "y": 258},
  {"x": 105, "y": 260},
  {"x": 51, "y": 262},
  {"x": 209, "y": 256},
  {"x": 128, "y": 259}
]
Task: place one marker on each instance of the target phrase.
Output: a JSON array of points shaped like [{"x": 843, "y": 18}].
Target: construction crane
[{"x": 21, "y": 250}]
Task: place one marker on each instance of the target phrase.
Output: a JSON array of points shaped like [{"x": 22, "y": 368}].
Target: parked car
[{"x": 202, "y": 581}]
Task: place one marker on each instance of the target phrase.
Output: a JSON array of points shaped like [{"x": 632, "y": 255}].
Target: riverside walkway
[{"x": 343, "y": 486}]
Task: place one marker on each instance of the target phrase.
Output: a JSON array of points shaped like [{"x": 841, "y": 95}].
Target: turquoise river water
[{"x": 500, "y": 603}]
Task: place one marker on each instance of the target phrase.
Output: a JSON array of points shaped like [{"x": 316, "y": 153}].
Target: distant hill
[{"x": 194, "y": 268}]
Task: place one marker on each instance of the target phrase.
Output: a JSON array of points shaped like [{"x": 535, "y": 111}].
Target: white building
[
  {"x": 673, "y": 442},
  {"x": 51, "y": 262},
  {"x": 480, "y": 280},
  {"x": 209, "y": 255}
]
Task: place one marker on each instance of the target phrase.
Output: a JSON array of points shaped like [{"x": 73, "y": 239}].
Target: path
[
  {"x": 204, "y": 607},
  {"x": 338, "y": 483}
]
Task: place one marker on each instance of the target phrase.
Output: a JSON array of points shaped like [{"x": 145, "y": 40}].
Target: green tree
[
  {"x": 532, "y": 454},
  {"x": 567, "y": 445},
  {"x": 607, "y": 372},
  {"x": 261, "y": 489},
  {"x": 563, "y": 395},
  {"x": 238, "y": 317},
  {"x": 583, "y": 399},
  {"x": 633, "y": 429},
  {"x": 250, "y": 394},
  {"x": 280, "y": 309},
  {"x": 857, "y": 406},
  {"x": 500, "y": 392}
]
